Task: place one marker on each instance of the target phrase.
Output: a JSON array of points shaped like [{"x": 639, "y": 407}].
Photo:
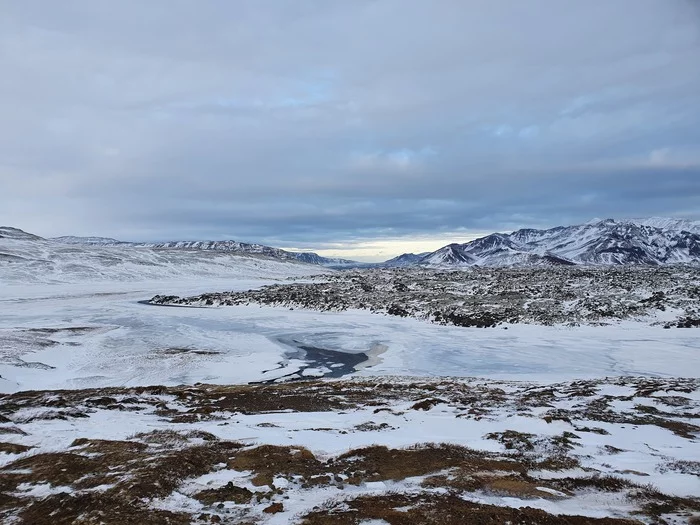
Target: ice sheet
[{"x": 137, "y": 344}]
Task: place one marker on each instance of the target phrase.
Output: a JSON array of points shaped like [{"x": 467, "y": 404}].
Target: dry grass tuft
[
  {"x": 13, "y": 448},
  {"x": 403, "y": 509}
]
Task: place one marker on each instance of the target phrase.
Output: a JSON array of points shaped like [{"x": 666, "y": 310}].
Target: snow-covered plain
[
  {"x": 127, "y": 343},
  {"x": 70, "y": 315}
]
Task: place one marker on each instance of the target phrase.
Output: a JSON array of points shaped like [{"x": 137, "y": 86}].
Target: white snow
[
  {"x": 40, "y": 261},
  {"x": 132, "y": 343},
  {"x": 40, "y": 490},
  {"x": 597, "y": 242}
]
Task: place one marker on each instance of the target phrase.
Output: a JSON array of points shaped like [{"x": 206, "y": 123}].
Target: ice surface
[{"x": 137, "y": 344}]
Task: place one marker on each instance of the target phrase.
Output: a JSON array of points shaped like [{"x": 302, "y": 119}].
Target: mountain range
[
  {"x": 651, "y": 241},
  {"x": 645, "y": 241}
]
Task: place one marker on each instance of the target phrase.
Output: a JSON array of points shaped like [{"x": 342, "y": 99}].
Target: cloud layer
[{"x": 319, "y": 122}]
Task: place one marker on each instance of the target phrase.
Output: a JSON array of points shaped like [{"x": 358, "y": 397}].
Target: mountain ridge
[
  {"x": 652, "y": 241},
  {"x": 648, "y": 241},
  {"x": 219, "y": 246}
]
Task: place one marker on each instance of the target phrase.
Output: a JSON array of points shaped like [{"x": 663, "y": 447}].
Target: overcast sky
[{"x": 359, "y": 128}]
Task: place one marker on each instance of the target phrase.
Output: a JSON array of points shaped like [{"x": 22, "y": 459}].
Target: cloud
[
  {"x": 326, "y": 121},
  {"x": 400, "y": 160},
  {"x": 658, "y": 156}
]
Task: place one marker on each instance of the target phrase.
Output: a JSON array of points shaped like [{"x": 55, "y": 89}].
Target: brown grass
[
  {"x": 438, "y": 510},
  {"x": 13, "y": 448},
  {"x": 379, "y": 463},
  {"x": 154, "y": 466},
  {"x": 134, "y": 470},
  {"x": 267, "y": 461},
  {"x": 229, "y": 492},
  {"x": 97, "y": 508}
]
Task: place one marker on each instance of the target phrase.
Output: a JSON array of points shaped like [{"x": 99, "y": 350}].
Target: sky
[{"x": 360, "y": 129}]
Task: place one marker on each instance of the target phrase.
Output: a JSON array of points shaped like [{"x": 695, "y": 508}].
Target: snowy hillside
[
  {"x": 26, "y": 258},
  {"x": 13, "y": 233},
  {"x": 407, "y": 259},
  {"x": 71, "y": 239},
  {"x": 666, "y": 223},
  {"x": 217, "y": 246},
  {"x": 654, "y": 241}
]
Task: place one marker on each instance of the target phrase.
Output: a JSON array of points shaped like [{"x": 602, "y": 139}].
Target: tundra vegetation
[{"x": 350, "y": 451}]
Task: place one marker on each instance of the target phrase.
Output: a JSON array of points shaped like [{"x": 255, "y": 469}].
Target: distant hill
[
  {"x": 6, "y": 232},
  {"x": 28, "y": 259},
  {"x": 219, "y": 246}
]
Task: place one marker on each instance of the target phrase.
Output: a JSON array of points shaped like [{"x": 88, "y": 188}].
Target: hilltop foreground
[{"x": 392, "y": 450}]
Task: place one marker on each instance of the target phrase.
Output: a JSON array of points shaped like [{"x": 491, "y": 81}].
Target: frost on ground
[
  {"x": 486, "y": 297},
  {"x": 385, "y": 450}
]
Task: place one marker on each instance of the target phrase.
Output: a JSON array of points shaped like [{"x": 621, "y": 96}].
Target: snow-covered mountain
[
  {"x": 407, "y": 259},
  {"x": 666, "y": 223},
  {"x": 218, "y": 246},
  {"x": 652, "y": 241},
  {"x": 27, "y": 259}
]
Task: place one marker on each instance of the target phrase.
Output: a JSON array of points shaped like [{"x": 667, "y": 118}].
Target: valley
[{"x": 256, "y": 389}]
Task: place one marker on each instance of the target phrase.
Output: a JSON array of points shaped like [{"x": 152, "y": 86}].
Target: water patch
[{"x": 312, "y": 362}]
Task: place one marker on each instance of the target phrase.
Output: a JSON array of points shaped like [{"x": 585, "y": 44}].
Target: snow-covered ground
[
  {"x": 283, "y": 453},
  {"x": 70, "y": 316},
  {"x": 527, "y": 435},
  {"x": 127, "y": 343}
]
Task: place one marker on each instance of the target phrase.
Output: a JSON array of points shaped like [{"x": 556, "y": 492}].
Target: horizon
[
  {"x": 368, "y": 252},
  {"x": 277, "y": 124}
]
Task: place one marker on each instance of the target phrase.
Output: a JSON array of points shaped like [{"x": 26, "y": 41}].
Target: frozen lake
[{"x": 113, "y": 340}]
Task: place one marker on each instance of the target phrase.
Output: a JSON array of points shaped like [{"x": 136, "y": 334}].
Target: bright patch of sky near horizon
[
  {"x": 359, "y": 129},
  {"x": 387, "y": 248}
]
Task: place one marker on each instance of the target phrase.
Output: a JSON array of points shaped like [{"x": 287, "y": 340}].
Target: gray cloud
[{"x": 320, "y": 121}]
